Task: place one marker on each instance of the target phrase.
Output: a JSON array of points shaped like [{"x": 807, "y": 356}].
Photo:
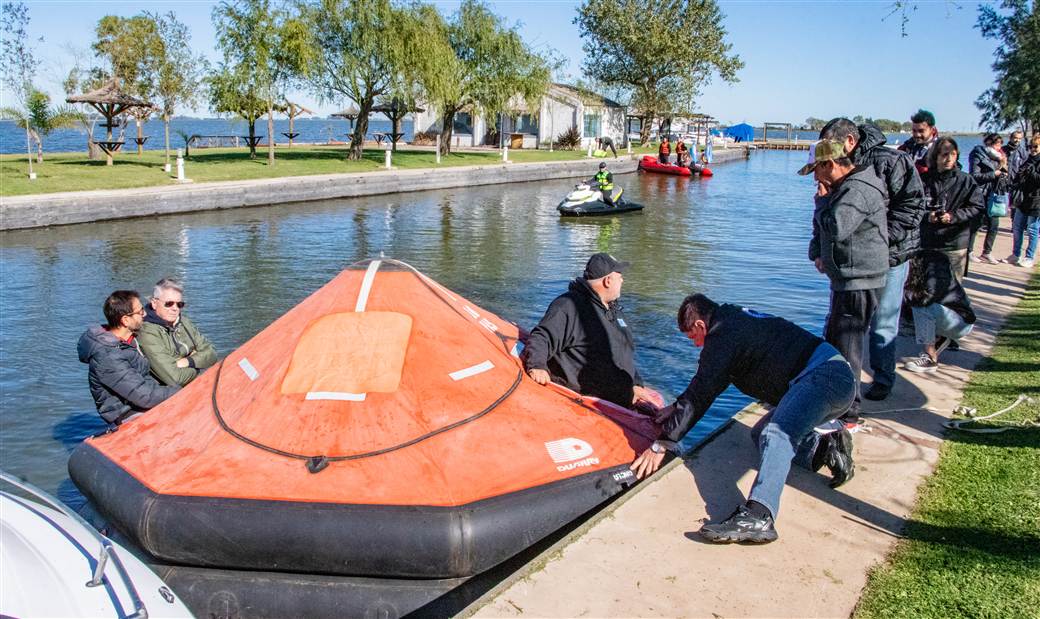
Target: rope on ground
[{"x": 973, "y": 417}]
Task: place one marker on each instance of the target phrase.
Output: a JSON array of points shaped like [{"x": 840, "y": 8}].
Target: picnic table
[
  {"x": 109, "y": 146},
  {"x": 381, "y": 137}
]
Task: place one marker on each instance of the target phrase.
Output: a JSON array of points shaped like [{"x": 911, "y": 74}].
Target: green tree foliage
[
  {"x": 1015, "y": 97},
  {"x": 489, "y": 68},
  {"x": 39, "y": 119},
  {"x": 179, "y": 72},
  {"x": 367, "y": 49},
  {"x": 131, "y": 48},
  {"x": 18, "y": 64},
  {"x": 659, "y": 51},
  {"x": 264, "y": 48}
]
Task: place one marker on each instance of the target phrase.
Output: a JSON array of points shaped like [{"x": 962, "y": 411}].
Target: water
[
  {"x": 741, "y": 237},
  {"x": 12, "y": 139}
]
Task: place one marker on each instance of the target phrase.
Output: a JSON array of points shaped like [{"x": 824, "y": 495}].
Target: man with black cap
[
  {"x": 583, "y": 341},
  {"x": 605, "y": 181}
]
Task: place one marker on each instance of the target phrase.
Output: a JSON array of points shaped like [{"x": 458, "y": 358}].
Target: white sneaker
[
  {"x": 988, "y": 258},
  {"x": 1012, "y": 259},
  {"x": 922, "y": 364},
  {"x": 974, "y": 258},
  {"x": 1027, "y": 263}
]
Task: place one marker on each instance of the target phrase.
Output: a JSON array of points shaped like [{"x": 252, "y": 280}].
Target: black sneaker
[
  {"x": 742, "y": 527},
  {"x": 838, "y": 458},
  {"x": 819, "y": 457},
  {"x": 877, "y": 392}
]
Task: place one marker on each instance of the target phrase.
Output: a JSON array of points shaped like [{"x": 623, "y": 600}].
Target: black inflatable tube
[{"x": 337, "y": 539}]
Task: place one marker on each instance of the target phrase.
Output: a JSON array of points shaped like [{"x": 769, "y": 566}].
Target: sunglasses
[
  {"x": 179, "y": 304},
  {"x": 139, "y": 312}
]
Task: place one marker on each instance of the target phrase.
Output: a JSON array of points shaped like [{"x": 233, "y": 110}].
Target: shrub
[
  {"x": 570, "y": 139},
  {"x": 425, "y": 138}
]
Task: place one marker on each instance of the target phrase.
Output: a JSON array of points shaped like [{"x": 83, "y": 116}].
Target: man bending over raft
[
  {"x": 775, "y": 361},
  {"x": 584, "y": 343}
]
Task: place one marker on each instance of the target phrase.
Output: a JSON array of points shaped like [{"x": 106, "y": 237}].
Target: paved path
[{"x": 642, "y": 558}]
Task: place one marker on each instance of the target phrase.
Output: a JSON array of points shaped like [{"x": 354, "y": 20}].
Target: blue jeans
[
  {"x": 823, "y": 391},
  {"x": 1028, "y": 227},
  {"x": 885, "y": 326},
  {"x": 934, "y": 320}
]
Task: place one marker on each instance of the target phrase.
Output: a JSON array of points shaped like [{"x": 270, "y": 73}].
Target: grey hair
[
  {"x": 167, "y": 283},
  {"x": 838, "y": 129}
]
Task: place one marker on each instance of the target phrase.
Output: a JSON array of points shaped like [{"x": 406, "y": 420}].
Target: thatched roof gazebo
[
  {"x": 110, "y": 101},
  {"x": 395, "y": 110}
]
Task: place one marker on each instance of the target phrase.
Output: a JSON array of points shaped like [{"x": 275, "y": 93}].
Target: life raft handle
[{"x": 317, "y": 464}]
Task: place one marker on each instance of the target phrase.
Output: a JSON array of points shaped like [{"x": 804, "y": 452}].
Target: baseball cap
[
  {"x": 824, "y": 150},
  {"x": 600, "y": 265}
]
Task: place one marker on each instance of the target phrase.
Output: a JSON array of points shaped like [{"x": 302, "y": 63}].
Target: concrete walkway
[{"x": 642, "y": 557}]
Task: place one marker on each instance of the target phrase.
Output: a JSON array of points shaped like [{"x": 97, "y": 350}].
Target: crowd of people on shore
[{"x": 891, "y": 229}]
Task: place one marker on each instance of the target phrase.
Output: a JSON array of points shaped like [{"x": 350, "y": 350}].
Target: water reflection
[{"x": 740, "y": 236}]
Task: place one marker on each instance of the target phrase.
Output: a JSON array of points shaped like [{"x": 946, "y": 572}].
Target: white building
[{"x": 563, "y": 107}]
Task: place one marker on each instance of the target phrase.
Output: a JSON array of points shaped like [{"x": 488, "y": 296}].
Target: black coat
[
  {"x": 954, "y": 192},
  {"x": 905, "y": 207},
  {"x": 759, "y": 354},
  {"x": 983, "y": 169},
  {"x": 931, "y": 280},
  {"x": 1028, "y": 183},
  {"x": 119, "y": 377},
  {"x": 585, "y": 345}
]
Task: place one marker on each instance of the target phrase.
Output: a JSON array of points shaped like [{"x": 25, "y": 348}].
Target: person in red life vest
[
  {"x": 664, "y": 151},
  {"x": 682, "y": 154}
]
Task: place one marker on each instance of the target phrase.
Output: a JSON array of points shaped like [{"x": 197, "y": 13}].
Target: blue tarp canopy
[{"x": 741, "y": 133}]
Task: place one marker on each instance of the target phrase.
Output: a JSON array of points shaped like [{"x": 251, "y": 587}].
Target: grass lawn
[
  {"x": 74, "y": 172},
  {"x": 972, "y": 546}
]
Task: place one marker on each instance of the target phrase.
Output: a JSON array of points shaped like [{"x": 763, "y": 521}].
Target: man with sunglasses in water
[
  {"x": 119, "y": 377},
  {"x": 176, "y": 349}
]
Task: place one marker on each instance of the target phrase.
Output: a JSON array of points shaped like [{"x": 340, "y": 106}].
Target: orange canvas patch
[{"x": 350, "y": 352}]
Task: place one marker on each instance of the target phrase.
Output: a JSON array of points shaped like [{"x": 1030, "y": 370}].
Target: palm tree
[{"x": 39, "y": 119}]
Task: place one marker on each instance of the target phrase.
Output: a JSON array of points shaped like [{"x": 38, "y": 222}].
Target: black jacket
[
  {"x": 954, "y": 192},
  {"x": 757, "y": 353},
  {"x": 850, "y": 232},
  {"x": 1027, "y": 181},
  {"x": 119, "y": 376},
  {"x": 931, "y": 281},
  {"x": 983, "y": 169},
  {"x": 905, "y": 207},
  {"x": 585, "y": 345}
]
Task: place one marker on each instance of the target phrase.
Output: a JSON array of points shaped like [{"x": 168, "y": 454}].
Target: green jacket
[{"x": 164, "y": 345}]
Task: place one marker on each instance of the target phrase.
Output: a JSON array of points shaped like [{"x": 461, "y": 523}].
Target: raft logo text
[{"x": 571, "y": 453}]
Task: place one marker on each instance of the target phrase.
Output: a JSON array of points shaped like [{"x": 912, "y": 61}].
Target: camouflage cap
[{"x": 824, "y": 150}]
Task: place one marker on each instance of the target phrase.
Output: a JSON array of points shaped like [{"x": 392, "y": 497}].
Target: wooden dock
[{"x": 782, "y": 145}]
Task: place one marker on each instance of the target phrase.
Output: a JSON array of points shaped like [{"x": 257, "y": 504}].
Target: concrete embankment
[{"x": 86, "y": 206}]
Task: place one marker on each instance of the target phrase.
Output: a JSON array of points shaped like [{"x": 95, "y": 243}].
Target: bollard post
[
  {"x": 387, "y": 159},
  {"x": 438, "y": 149},
  {"x": 167, "y": 168},
  {"x": 589, "y": 153},
  {"x": 505, "y": 154},
  {"x": 180, "y": 164},
  {"x": 629, "y": 148}
]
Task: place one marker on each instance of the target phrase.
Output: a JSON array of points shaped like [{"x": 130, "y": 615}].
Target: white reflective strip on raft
[
  {"x": 471, "y": 371},
  {"x": 335, "y": 395},
  {"x": 487, "y": 324},
  {"x": 517, "y": 349},
  {"x": 438, "y": 286},
  {"x": 366, "y": 285},
  {"x": 248, "y": 368},
  {"x": 472, "y": 312}
]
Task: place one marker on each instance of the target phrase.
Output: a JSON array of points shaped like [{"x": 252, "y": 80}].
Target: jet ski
[{"x": 587, "y": 199}]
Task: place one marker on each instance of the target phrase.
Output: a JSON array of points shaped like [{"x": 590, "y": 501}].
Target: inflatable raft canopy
[{"x": 382, "y": 427}]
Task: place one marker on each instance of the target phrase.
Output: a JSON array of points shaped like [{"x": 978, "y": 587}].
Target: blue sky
[{"x": 801, "y": 58}]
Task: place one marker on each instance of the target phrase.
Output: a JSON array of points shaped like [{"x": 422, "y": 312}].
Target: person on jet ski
[{"x": 605, "y": 181}]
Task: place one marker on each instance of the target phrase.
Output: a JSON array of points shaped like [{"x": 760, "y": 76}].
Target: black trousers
[
  {"x": 606, "y": 143},
  {"x": 847, "y": 326}
]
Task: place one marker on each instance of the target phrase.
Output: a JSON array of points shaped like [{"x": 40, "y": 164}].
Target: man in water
[
  {"x": 806, "y": 380},
  {"x": 176, "y": 349},
  {"x": 119, "y": 377},
  {"x": 584, "y": 343}
]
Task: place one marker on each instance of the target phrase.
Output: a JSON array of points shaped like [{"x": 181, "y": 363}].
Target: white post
[
  {"x": 180, "y": 165},
  {"x": 505, "y": 154},
  {"x": 589, "y": 153},
  {"x": 630, "y": 148},
  {"x": 387, "y": 158},
  {"x": 438, "y": 149}
]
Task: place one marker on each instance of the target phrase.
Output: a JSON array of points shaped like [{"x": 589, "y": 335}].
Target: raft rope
[
  {"x": 316, "y": 464},
  {"x": 972, "y": 415}
]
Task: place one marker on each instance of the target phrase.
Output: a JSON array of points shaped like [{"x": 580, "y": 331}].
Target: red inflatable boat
[{"x": 651, "y": 164}]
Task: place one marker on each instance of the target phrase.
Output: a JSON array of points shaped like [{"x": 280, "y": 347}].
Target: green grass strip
[
  {"x": 74, "y": 172},
  {"x": 972, "y": 546}
]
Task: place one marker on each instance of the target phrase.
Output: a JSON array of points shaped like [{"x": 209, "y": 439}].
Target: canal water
[{"x": 740, "y": 237}]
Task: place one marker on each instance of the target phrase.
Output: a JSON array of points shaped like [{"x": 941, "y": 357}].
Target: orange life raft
[{"x": 384, "y": 426}]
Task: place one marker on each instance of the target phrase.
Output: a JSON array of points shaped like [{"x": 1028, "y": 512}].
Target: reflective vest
[{"x": 603, "y": 178}]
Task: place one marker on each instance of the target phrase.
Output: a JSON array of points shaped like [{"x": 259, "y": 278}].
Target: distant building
[{"x": 562, "y": 108}]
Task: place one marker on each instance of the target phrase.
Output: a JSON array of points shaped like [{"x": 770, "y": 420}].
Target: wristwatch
[{"x": 657, "y": 448}]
